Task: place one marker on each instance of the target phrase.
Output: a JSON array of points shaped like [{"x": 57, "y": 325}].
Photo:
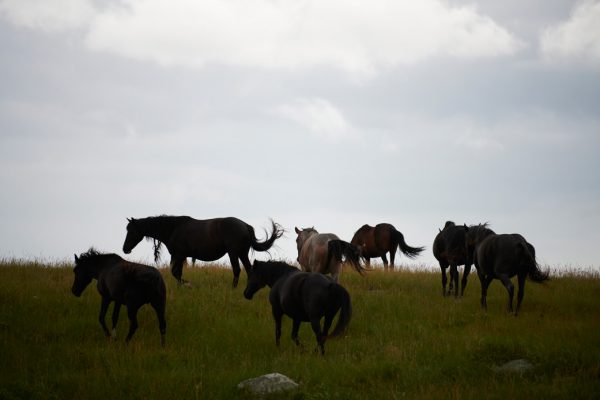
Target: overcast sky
[{"x": 324, "y": 113}]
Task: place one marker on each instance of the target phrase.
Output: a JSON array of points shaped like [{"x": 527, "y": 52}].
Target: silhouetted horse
[
  {"x": 449, "y": 248},
  {"x": 381, "y": 239},
  {"x": 323, "y": 252},
  {"x": 502, "y": 257},
  {"x": 302, "y": 296},
  {"x": 123, "y": 282},
  {"x": 205, "y": 240}
]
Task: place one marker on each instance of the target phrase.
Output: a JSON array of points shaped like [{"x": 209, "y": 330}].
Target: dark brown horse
[
  {"x": 324, "y": 252},
  {"x": 449, "y": 248},
  {"x": 502, "y": 257},
  {"x": 125, "y": 283},
  {"x": 206, "y": 240},
  {"x": 381, "y": 239},
  {"x": 302, "y": 296}
]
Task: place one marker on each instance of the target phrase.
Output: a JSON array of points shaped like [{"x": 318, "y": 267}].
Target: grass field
[{"x": 405, "y": 341}]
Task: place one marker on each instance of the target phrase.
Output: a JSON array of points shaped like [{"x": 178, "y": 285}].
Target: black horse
[
  {"x": 381, "y": 239},
  {"x": 206, "y": 240},
  {"x": 303, "y": 296},
  {"x": 502, "y": 257},
  {"x": 123, "y": 282},
  {"x": 449, "y": 249}
]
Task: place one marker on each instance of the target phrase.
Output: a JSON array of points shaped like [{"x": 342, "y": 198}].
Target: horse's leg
[
  {"x": 102, "y": 317},
  {"x": 177, "y": 268},
  {"x": 115, "y": 319},
  {"x": 466, "y": 273},
  {"x": 485, "y": 283},
  {"x": 277, "y": 314},
  {"x": 335, "y": 275},
  {"x": 385, "y": 261},
  {"x": 295, "y": 329},
  {"x": 159, "y": 308},
  {"x": 132, "y": 310},
  {"x": 235, "y": 266},
  {"x": 521, "y": 279},
  {"x": 444, "y": 278},
  {"x": 453, "y": 280},
  {"x": 246, "y": 262},
  {"x": 392, "y": 258},
  {"x": 510, "y": 288},
  {"x": 316, "y": 326}
]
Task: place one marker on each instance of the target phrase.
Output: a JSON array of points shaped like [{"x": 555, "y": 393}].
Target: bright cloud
[
  {"x": 54, "y": 15},
  {"x": 578, "y": 37},
  {"x": 319, "y": 116},
  {"x": 352, "y": 35}
]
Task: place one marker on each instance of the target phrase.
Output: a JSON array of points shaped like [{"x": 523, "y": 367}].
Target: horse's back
[
  {"x": 302, "y": 294},
  {"x": 313, "y": 255},
  {"x": 127, "y": 281},
  {"x": 449, "y": 245},
  {"x": 504, "y": 254}
]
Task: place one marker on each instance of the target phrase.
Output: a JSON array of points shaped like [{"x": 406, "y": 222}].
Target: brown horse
[
  {"x": 323, "y": 252},
  {"x": 381, "y": 239}
]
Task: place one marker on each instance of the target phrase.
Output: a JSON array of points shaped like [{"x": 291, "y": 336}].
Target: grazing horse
[
  {"x": 206, "y": 240},
  {"x": 502, "y": 257},
  {"x": 316, "y": 251},
  {"x": 449, "y": 248},
  {"x": 381, "y": 239},
  {"x": 123, "y": 282},
  {"x": 302, "y": 296}
]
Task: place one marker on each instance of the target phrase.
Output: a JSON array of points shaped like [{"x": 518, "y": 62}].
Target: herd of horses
[{"x": 306, "y": 294}]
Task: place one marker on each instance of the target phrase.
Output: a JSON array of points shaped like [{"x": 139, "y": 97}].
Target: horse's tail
[
  {"x": 534, "y": 272},
  {"x": 276, "y": 233},
  {"x": 339, "y": 249},
  {"x": 341, "y": 298},
  {"x": 410, "y": 252}
]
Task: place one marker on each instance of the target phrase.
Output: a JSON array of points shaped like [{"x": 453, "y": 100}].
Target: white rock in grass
[
  {"x": 519, "y": 366},
  {"x": 267, "y": 384}
]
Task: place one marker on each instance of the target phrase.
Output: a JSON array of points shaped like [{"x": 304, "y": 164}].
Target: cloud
[
  {"x": 49, "y": 16},
  {"x": 319, "y": 116},
  {"x": 576, "y": 38},
  {"x": 350, "y": 35}
]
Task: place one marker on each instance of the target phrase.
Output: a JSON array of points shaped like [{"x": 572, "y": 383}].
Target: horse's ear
[
  {"x": 76, "y": 258},
  {"x": 297, "y": 230},
  {"x": 439, "y": 229}
]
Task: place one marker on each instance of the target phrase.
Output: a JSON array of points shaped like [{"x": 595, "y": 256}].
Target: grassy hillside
[{"x": 405, "y": 341}]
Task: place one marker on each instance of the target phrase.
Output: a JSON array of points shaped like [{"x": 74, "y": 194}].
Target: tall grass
[{"x": 405, "y": 341}]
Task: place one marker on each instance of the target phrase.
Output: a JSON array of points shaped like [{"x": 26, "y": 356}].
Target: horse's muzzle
[
  {"x": 76, "y": 292},
  {"x": 248, "y": 295}
]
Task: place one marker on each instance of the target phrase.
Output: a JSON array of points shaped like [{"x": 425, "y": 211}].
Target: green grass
[{"x": 405, "y": 341}]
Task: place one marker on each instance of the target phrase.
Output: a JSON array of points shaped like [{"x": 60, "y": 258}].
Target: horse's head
[
  {"x": 83, "y": 277},
  {"x": 134, "y": 236},
  {"x": 303, "y": 235},
  {"x": 256, "y": 280},
  {"x": 475, "y": 235}
]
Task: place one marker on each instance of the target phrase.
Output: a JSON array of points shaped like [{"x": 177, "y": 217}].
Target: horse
[
  {"x": 302, "y": 296},
  {"x": 502, "y": 257},
  {"x": 381, "y": 239},
  {"x": 123, "y": 282},
  {"x": 206, "y": 240},
  {"x": 317, "y": 250},
  {"x": 449, "y": 248}
]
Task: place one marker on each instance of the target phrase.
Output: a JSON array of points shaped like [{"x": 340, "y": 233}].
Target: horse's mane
[
  {"x": 93, "y": 255},
  {"x": 363, "y": 228},
  {"x": 481, "y": 229}
]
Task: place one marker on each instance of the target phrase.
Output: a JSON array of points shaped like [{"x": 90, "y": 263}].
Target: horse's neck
[
  {"x": 102, "y": 265},
  {"x": 278, "y": 273},
  {"x": 159, "y": 228}
]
